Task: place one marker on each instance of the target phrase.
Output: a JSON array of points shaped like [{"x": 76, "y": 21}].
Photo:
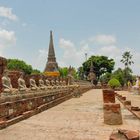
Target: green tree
[
  {"x": 102, "y": 64},
  {"x": 16, "y": 64},
  {"x": 119, "y": 75},
  {"x": 114, "y": 83},
  {"x": 127, "y": 61},
  {"x": 105, "y": 78},
  {"x": 63, "y": 72},
  {"x": 35, "y": 71}
]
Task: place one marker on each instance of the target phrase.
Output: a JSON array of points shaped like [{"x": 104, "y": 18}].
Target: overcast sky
[{"x": 95, "y": 27}]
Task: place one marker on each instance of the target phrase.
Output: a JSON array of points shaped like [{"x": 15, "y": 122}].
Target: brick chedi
[{"x": 51, "y": 68}]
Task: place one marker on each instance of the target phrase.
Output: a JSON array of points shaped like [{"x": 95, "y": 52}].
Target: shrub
[{"x": 114, "y": 83}]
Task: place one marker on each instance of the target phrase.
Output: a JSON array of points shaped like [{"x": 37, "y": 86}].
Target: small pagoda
[
  {"x": 91, "y": 75},
  {"x": 51, "y": 69}
]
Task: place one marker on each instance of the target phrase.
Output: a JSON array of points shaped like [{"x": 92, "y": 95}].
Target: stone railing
[
  {"x": 15, "y": 108},
  {"x": 135, "y": 110}
]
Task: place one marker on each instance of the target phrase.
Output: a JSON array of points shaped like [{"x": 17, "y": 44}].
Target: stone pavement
[{"x": 76, "y": 119}]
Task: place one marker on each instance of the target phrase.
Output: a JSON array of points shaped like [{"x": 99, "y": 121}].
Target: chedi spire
[{"x": 51, "y": 65}]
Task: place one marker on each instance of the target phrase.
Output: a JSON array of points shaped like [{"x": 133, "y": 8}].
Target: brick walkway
[{"x": 76, "y": 119}]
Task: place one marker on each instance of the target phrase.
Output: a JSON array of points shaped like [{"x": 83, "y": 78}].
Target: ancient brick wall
[
  {"x": 21, "y": 106},
  {"x": 14, "y": 75},
  {"x": 0, "y": 83},
  {"x": 28, "y": 77},
  {"x": 3, "y": 65}
]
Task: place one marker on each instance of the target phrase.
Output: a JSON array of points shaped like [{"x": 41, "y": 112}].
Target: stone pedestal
[
  {"x": 108, "y": 96},
  {"x": 112, "y": 114},
  {"x": 127, "y": 103}
]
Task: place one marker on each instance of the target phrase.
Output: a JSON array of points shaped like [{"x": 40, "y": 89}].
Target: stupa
[{"x": 51, "y": 68}]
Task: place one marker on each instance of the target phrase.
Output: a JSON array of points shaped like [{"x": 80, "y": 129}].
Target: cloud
[
  {"x": 103, "y": 39},
  {"x": 7, "y": 38},
  {"x": 41, "y": 59},
  {"x": 7, "y": 13},
  {"x": 72, "y": 55},
  {"x": 117, "y": 52},
  {"x": 75, "y": 55},
  {"x": 66, "y": 44},
  {"x": 111, "y": 51}
]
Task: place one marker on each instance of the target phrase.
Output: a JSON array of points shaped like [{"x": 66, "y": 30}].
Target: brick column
[
  {"x": 108, "y": 96},
  {"x": 112, "y": 114}
]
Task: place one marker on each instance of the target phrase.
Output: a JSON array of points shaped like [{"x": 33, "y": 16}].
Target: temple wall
[
  {"x": 15, "y": 108},
  {"x": 14, "y": 75},
  {"x": 3, "y": 64}
]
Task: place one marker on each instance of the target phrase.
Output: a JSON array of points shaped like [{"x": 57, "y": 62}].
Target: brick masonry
[
  {"x": 108, "y": 96},
  {"x": 112, "y": 114},
  {"x": 3, "y": 64},
  {"x": 18, "y": 107}
]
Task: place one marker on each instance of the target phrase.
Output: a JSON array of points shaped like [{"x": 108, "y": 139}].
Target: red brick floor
[{"x": 76, "y": 119}]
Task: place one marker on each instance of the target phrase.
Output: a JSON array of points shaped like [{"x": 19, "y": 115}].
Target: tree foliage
[
  {"x": 16, "y": 64},
  {"x": 35, "y": 71},
  {"x": 127, "y": 61},
  {"x": 63, "y": 72},
  {"x": 102, "y": 64},
  {"x": 104, "y": 79},
  {"x": 114, "y": 83},
  {"x": 119, "y": 74}
]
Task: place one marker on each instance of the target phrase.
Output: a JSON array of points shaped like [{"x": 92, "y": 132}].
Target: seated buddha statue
[
  {"x": 21, "y": 84},
  {"x": 33, "y": 85},
  {"x": 41, "y": 84},
  {"x": 6, "y": 83}
]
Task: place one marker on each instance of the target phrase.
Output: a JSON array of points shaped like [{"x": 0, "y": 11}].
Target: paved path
[{"x": 76, "y": 119}]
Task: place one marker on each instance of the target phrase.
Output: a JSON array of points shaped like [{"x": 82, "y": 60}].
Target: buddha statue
[
  {"x": 61, "y": 83},
  {"x": 33, "y": 85},
  {"x": 57, "y": 83},
  {"x": 53, "y": 84},
  {"x": 21, "y": 84},
  {"x": 64, "y": 83},
  {"x": 6, "y": 83},
  {"x": 47, "y": 82},
  {"x": 41, "y": 84}
]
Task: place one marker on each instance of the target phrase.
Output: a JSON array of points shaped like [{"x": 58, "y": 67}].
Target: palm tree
[{"x": 127, "y": 59}]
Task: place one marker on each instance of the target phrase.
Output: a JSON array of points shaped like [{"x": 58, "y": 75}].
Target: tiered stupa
[
  {"x": 91, "y": 75},
  {"x": 51, "y": 68}
]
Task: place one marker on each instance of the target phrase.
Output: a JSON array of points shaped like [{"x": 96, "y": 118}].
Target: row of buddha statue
[{"x": 43, "y": 84}]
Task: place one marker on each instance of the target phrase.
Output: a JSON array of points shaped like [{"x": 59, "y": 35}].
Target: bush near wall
[{"x": 114, "y": 83}]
